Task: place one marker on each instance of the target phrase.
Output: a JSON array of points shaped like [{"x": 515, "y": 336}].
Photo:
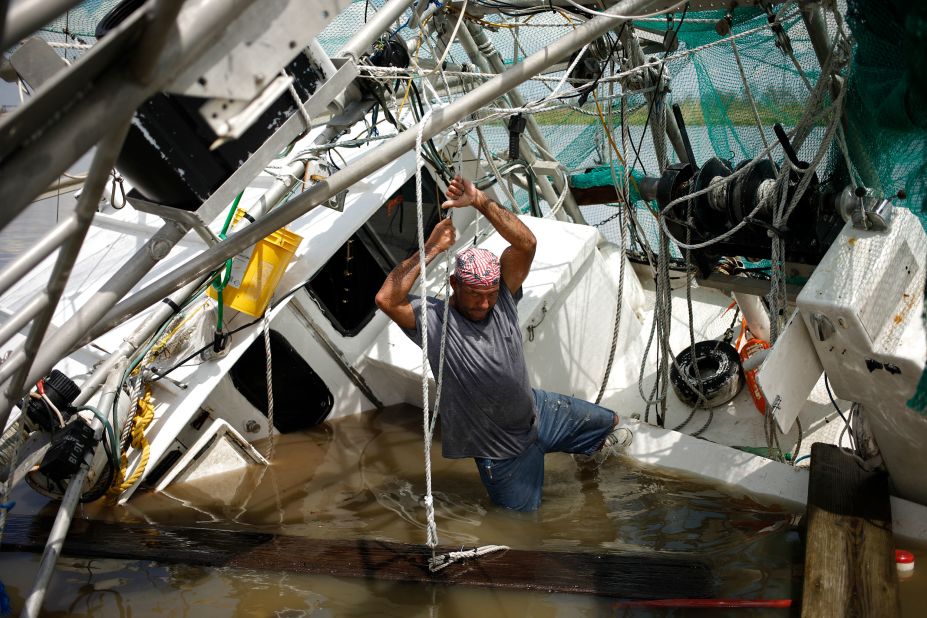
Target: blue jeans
[{"x": 565, "y": 425}]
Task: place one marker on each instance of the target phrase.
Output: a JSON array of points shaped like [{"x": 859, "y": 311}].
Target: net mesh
[{"x": 887, "y": 75}]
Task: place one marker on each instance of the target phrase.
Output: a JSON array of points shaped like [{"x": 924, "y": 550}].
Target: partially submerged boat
[{"x": 723, "y": 258}]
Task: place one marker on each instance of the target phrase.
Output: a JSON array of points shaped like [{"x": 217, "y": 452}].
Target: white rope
[
  {"x": 441, "y": 561},
  {"x": 556, "y": 206},
  {"x": 749, "y": 93},
  {"x": 270, "y": 388},
  {"x": 299, "y": 103},
  {"x": 427, "y": 421},
  {"x": 450, "y": 40},
  {"x": 437, "y": 562},
  {"x": 82, "y": 46}
]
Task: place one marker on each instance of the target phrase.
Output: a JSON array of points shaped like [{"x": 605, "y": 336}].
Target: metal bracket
[
  {"x": 293, "y": 126},
  {"x": 543, "y": 167},
  {"x": 823, "y": 327},
  {"x": 535, "y": 323},
  {"x": 169, "y": 213},
  {"x": 254, "y": 47},
  {"x": 864, "y": 210},
  {"x": 775, "y": 406},
  {"x": 229, "y": 118},
  {"x": 318, "y": 171},
  {"x": 36, "y": 62}
]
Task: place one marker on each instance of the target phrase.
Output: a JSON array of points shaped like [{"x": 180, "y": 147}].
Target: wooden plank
[
  {"x": 849, "y": 552},
  {"x": 622, "y": 575}
]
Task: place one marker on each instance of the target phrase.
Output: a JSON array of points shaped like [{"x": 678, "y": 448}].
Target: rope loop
[{"x": 442, "y": 561}]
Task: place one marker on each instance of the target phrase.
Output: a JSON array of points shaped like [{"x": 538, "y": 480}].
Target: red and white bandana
[{"x": 478, "y": 268}]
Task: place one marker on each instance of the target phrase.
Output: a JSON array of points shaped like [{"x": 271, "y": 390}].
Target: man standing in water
[{"x": 488, "y": 409}]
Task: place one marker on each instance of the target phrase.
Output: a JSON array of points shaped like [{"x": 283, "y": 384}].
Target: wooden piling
[{"x": 849, "y": 551}]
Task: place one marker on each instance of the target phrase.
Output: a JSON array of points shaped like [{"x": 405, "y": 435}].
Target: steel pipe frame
[
  {"x": 23, "y": 316},
  {"x": 140, "y": 264},
  {"x": 388, "y": 151},
  {"x": 119, "y": 91},
  {"x": 131, "y": 343},
  {"x": 161, "y": 313},
  {"x": 120, "y": 284},
  {"x": 26, "y": 16},
  {"x": 165, "y": 310},
  {"x": 68, "y": 339},
  {"x": 497, "y": 65},
  {"x": 109, "y": 294},
  {"x": 278, "y": 189},
  {"x": 267, "y": 201},
  {"x": 694, "y": 5},
  {"x": 38, "y": 252},
  {"x": 201, "y": 265},
  {"x": 442, "y": 42},
  {"x": 476, "y": 57},
  {"x": 145, "y": 60},
  {"x": 103, "y": 161},
  {"x": 55, "y": 543},
  {"x": 816, "y": 25},
  {"x": 371, "y": 31},
  {"x": 161, "y": 16}
]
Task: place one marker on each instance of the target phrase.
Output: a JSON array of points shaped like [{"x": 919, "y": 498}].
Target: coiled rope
[{"x": 144, "y": 414}]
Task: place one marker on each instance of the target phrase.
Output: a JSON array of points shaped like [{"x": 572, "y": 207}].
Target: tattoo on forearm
[
  {"x": 506, "y": 222},
  {"x": 404, "y": 268}
]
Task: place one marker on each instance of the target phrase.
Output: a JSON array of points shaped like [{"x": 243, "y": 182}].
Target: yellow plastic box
[{"x": 256, "y": 272}]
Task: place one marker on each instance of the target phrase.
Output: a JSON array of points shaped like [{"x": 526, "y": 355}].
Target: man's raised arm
[
  {"x": 516, "y": 259},
  {"x": 393, "y": 297}
]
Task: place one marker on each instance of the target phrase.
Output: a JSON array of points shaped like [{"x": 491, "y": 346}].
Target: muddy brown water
[{"x": 362, "y": 477}]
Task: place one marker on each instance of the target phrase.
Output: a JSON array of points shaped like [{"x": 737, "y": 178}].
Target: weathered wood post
[{"x": 849, "y": 551}]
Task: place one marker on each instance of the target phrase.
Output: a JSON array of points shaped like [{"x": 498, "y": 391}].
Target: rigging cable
[
  {"x": 270, "y": 387},
  {"x": 437, "y": 562},
  {"x": 428, "y": 420},
  {"x": 846, "y": 421}
]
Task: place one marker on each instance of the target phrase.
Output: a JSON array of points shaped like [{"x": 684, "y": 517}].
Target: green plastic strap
[
  {"x": 230, "y": 216},
  {"x": 222, "y": 280}
]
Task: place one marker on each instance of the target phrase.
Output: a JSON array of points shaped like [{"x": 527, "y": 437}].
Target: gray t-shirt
[{"x": 487, "y": 406}]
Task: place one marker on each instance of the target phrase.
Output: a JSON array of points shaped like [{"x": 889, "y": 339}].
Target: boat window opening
[
  {"x": 394, "y": 223},
  {"x": 200, "y": 419},
  {"x": 346, "y": 285},
  {"x": 301, "y": 398},
  {"x": 166, "y": 463}
]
